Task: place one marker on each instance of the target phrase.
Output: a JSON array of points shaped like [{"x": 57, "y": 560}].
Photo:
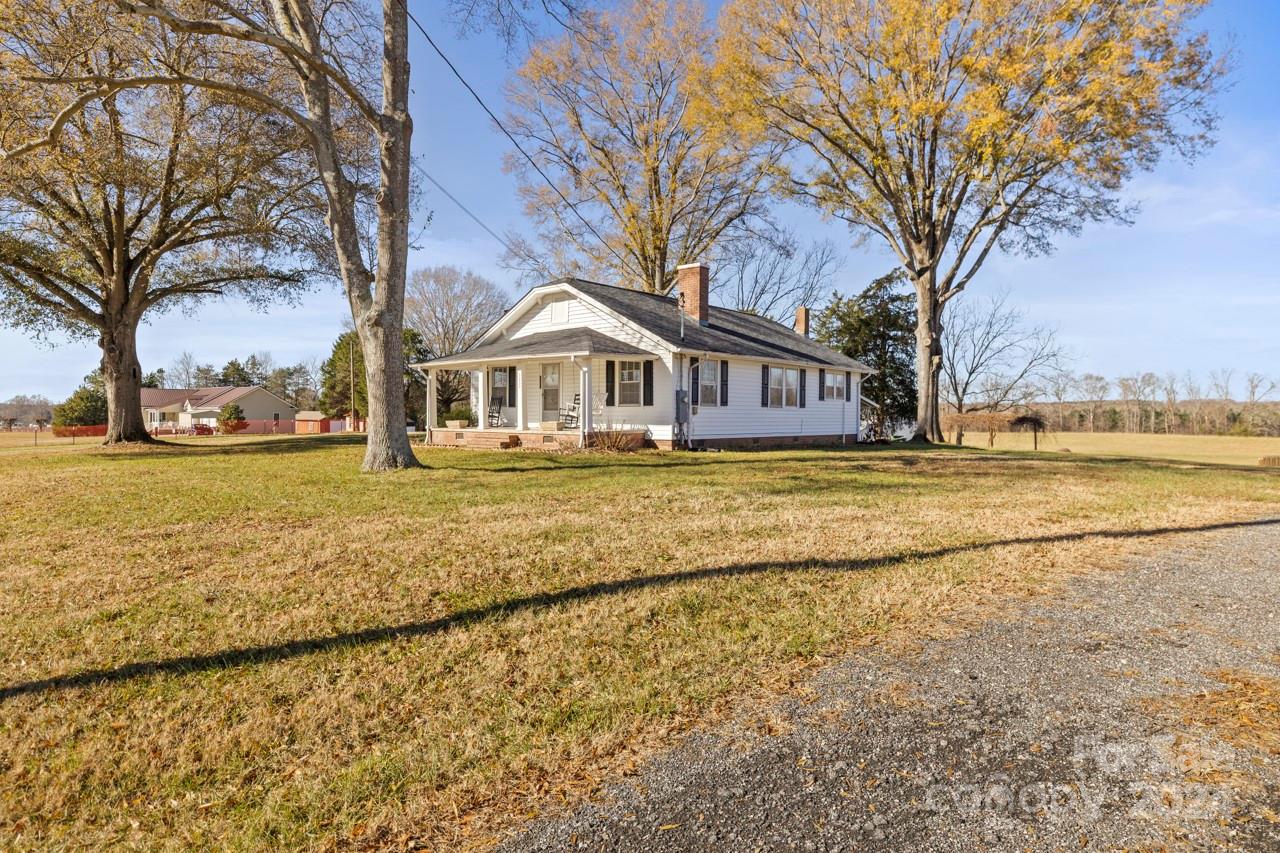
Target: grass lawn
[
  {"x": 1216, "y": 449},
  {"x": 247, "y": 644}
]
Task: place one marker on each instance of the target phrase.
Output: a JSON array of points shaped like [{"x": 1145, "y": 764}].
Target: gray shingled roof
[
  {"x": 727, "y": 332},
  {"x": 577, "y": 341}
]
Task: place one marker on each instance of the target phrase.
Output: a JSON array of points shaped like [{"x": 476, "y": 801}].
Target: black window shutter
[
  {"x": 695, "y": 379},
  {"x": 764, "y": 385},
  {"x": 803, "y": 374},
  {"x": 511, "y": 385},
  {"x": 848, "y": 385},
  {"x": 648, "y": 383},
  {"x": 724, "y": 382},
  {"x": 610, "y": 371},
  {"x": 822, "y": 384}
]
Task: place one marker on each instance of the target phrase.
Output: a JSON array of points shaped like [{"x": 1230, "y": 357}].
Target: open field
[
  {"x": 1215, "y": 449},
  {"x": 247, "y": 644}
]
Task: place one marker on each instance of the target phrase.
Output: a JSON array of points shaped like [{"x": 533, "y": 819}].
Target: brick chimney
[
  {"x": 802, "y": 321},
  {"x": 692, "y": 282}
]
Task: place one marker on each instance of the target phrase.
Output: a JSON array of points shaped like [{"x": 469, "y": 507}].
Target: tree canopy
[
  {"x": 641, "y": 185},
  {"x": 87, "y": 405},
  {"x": 877, "y": 328},
  {"x": 138, "y": 200},
  {"x": 948, "y": 128}
]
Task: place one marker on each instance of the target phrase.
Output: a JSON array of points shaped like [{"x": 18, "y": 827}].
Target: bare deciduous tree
[
  {"x": 772, "y": 278},
  {"x": 605, "y": 112},
  {"x": 451, "y": 309},
  {"x": 992, "y": 361},
  {"x": 306, "y": 62},
  {"x": 1061, "y": 384},
  {"x": 1096, "y": 390}
]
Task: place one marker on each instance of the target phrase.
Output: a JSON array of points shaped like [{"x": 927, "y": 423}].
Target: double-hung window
[
  {"x": 776, "y": 395},
  {"x": 784, "y": 388},
  {"x": 834, "y": 386},
  {"x": 709, "y": 382},
  {"x": 791, "y": 388},
  {"x": 630, "y": 382}
]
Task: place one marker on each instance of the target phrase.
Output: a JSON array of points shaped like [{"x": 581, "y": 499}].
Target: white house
[
  {"x": 573, "y": 359},
  {"x": 183, "y": 408}
]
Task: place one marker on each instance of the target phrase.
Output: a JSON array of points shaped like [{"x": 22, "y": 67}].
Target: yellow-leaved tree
[{"x": 947, "y": 128}]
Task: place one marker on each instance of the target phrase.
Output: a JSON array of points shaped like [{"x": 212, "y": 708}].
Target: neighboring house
[
  {"x": 575, "y": 358},
  {"x": 183, "y": 408}
]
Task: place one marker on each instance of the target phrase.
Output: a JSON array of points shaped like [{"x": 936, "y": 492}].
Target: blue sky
[{"x": 1192, "y": 286}]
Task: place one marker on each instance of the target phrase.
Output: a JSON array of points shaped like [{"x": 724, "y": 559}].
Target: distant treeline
[
  {"x": 24, "y": 410},
  {"x": 1225, "y": 405}
]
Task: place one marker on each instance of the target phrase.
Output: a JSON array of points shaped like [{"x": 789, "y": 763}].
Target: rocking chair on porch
[
  {"x": 495, "y": 412},
  {"x": 569, "y": 416}
]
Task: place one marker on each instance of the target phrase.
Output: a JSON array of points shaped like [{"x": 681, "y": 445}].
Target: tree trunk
[
  {"x": 928, "y": 361},
  {"x": 387, "y": 446},
  {"x": 122, "y": 376},
  {"x": 381, "y": 327}
]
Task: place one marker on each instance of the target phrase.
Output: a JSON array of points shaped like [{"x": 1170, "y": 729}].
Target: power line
[
  {"x": 465, "y": 210},
  {"x": 509, "y": 136}
]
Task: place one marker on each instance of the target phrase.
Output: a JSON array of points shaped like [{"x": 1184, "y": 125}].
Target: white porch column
[
  {"x": 482, "y": 386},
  {"x": 584, "y": 406},
  {"x": 430, "y": 414},
  {"x": 521, "y": 415}
]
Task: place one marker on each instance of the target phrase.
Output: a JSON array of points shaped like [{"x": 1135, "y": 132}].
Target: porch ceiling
[{"x": 562, "y": 343}]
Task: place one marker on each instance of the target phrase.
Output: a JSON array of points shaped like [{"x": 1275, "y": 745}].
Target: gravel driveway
[{"x": 1065, "y": 728}]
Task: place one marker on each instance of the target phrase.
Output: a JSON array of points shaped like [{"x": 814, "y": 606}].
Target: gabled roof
[
  {"x": 727, "y": 332},
  {"x": 216, "y": 398},
  {"x": 163, "y": 398},
  {"x": 575, "y": 341},
  {"x": 199, "y": 398}
]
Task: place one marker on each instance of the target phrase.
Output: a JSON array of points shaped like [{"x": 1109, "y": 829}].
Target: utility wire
[
  {"x": 464, "y": 209},
  {"x": 509, "y": 136}
]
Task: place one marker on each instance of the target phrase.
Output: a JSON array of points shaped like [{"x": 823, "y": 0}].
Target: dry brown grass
[
  {"x": 593, "y": 606},
  {"x": 1244, "y": 713},
  {"x": 1209, "y": 449}
]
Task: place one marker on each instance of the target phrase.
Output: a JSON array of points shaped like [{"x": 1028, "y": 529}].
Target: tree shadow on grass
[
  {"x": 267, "y": 445},
  {"x": 273, "y": 652},
  {"x": 906, "y": 454}
]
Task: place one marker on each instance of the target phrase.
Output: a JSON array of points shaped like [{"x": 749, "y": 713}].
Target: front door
[{"x": 550, "y": 392}]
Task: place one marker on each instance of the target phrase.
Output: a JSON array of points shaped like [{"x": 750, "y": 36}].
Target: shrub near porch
[{"x": 426, "y": 656}]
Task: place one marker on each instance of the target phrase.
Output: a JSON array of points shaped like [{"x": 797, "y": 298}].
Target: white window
[
  {"x": 834, "y": 387},
  {"x": 560, "y": 311},
  {"x": 775, "y": 387},
  {"x": 630, "y": 380},
  {"x": 784, "y": 388},
  {"x": 709, "y": 383},
  {"x": 792, "y": 388}
]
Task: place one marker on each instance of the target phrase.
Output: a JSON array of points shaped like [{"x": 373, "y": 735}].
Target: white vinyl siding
[
  {"x": 744, "y": 417},
  {"x": 741, "y": 417}
]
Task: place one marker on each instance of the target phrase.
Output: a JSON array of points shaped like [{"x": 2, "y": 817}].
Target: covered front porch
[{"x": 541, "y": 391}]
